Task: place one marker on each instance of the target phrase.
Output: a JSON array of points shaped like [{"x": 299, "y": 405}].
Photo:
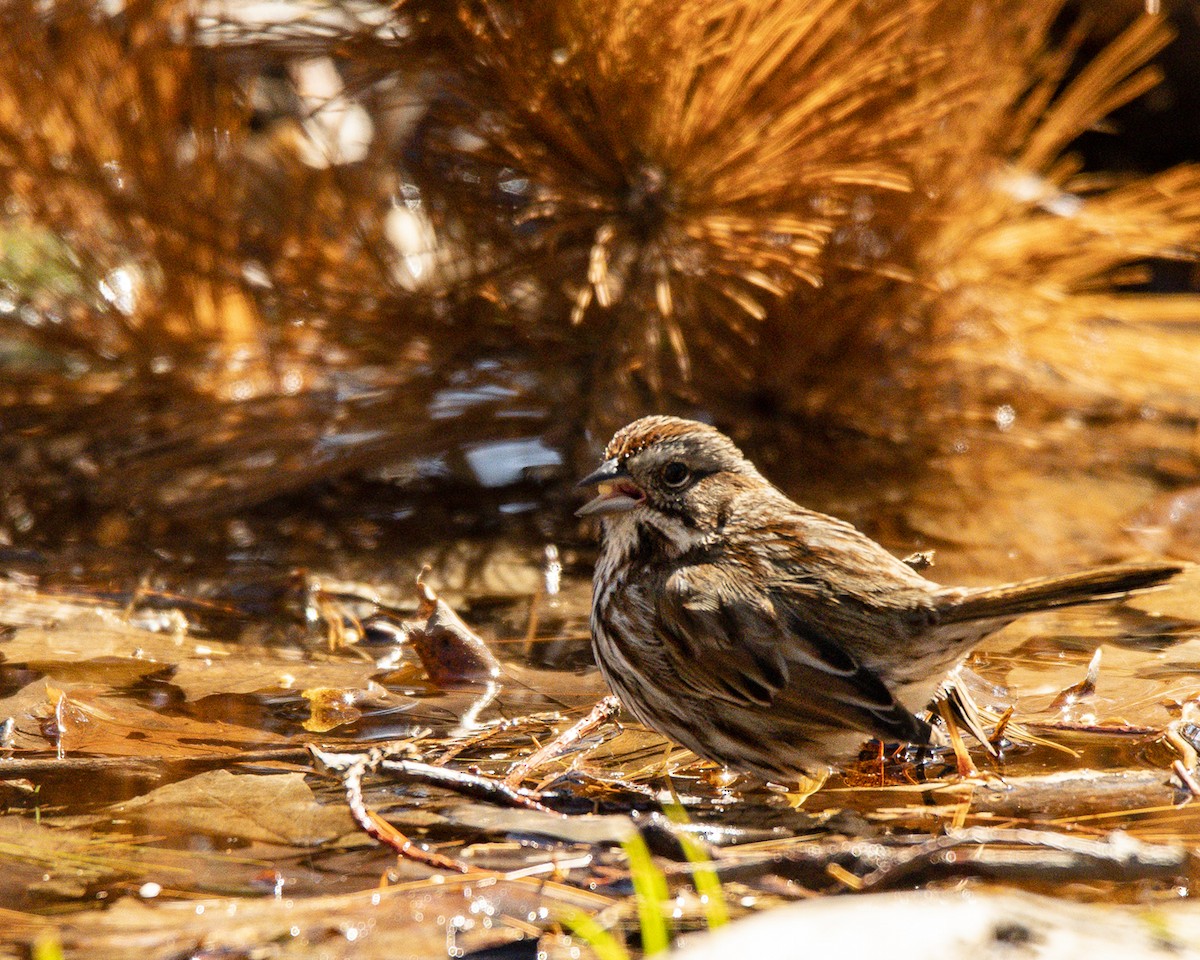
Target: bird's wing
[{"x": 749, "y": 649}]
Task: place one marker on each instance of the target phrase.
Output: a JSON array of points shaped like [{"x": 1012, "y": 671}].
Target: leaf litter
[{"x": 219, "y": 797}]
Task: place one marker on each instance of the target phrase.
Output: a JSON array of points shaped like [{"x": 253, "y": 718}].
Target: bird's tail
[{"x": 1011, "y": 600}]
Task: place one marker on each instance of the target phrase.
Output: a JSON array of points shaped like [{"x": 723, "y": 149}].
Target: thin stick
[
  {"x": 468, "y": 784},
  {"x": 996, "y": 853},
  {"x": 1109, "y": 858},
  {"x": 20, "y": 766},
  {"x": 375, "y": 827},
  {"x": 531, "y": 627},
  {"x": 466, "y": 743},
  {"x": 1186, "y": 777},
  {"x": 603, "y": 711}
]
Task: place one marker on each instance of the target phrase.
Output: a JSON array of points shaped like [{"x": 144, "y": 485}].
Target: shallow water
[{"x": 157, "y": 753}]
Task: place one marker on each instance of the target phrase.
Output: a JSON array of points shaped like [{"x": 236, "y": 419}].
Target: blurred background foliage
[{"x": 344, "y": 274}]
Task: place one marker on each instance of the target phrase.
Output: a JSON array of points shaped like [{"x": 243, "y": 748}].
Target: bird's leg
[{"x": 966, "y": 766}]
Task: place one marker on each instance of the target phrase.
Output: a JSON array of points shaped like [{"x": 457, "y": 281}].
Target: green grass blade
[
  {"x": 650, "y": 885},
  {"x": 584, "y": 926},
  {"x": 47, "y": 946},
  {"x": 708, "y": 884}
]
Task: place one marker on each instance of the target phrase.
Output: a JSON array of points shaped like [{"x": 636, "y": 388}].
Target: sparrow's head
[{"x": 666, "y": 468}]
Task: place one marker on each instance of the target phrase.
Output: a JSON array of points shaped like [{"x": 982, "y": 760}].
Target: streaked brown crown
[{"x": 637, "y": 436}]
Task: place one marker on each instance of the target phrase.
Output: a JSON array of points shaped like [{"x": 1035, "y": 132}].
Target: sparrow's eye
[{"x": 676, "y": 474}]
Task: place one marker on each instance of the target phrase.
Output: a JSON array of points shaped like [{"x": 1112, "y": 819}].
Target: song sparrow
[{"x": 767, "y": 637}]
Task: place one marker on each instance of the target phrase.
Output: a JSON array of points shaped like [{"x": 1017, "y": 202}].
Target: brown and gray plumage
[{"x": 767, "y": 637}]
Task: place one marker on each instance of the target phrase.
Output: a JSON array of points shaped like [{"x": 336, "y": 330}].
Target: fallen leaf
[
  {"x": 450, "y": 651},
  {"x": 91, "y": 720},
  {"x": 96, "y": 642},
  {"x": 331, "y": 707},
  {"x": 260, "y": 674},
  {"x": 275, "y": 808}
]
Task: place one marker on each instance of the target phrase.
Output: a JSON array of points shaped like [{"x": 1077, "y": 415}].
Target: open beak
[{"x": 617, "y": 492}]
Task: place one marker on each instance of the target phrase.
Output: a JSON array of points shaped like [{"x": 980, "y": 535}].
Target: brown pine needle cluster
[
  {"x": 1027, "y": 277},
  {"x": 118, "y": 138},
  {"x": 683, "y": 170},
  {"x": 1039, "y": 270},
  {"x": 130, "y": 137}
]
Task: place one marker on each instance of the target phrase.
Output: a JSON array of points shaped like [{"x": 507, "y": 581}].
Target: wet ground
[{"x": 159, "y": 791}]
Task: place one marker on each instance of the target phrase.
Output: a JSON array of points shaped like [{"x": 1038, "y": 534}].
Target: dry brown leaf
[
  {"x": 277, "y": 808},
  {"x": 262, "y": 672},
  {"x": 331, "y": 707},
  {"x": 99, "y": 636},
  {"x": 450, "y": 651},
  {"x": 49, "y": 714}
]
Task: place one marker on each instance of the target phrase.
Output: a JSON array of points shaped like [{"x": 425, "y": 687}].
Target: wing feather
[{"x": 748, "y": 661}]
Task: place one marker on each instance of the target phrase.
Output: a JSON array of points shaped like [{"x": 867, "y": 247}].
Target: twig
[
  {"x": 531, "y": 625},
  {"x": 468, "y": 784},
  {"x": 1114, "y": 857},
  {"x": 1186, "y": 777},
  {"x": 466, "y": 743},
  {"x": 1108, "y": 729},
  {"x": 1060, "y": 795},
  {"x": 374, "y": 826},
  {"x": 1024, "y": 855},
  {"x": 603, "y": 711},
  {"x": 997, "y": 734},
  {"x": 12, "y": 768}
]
